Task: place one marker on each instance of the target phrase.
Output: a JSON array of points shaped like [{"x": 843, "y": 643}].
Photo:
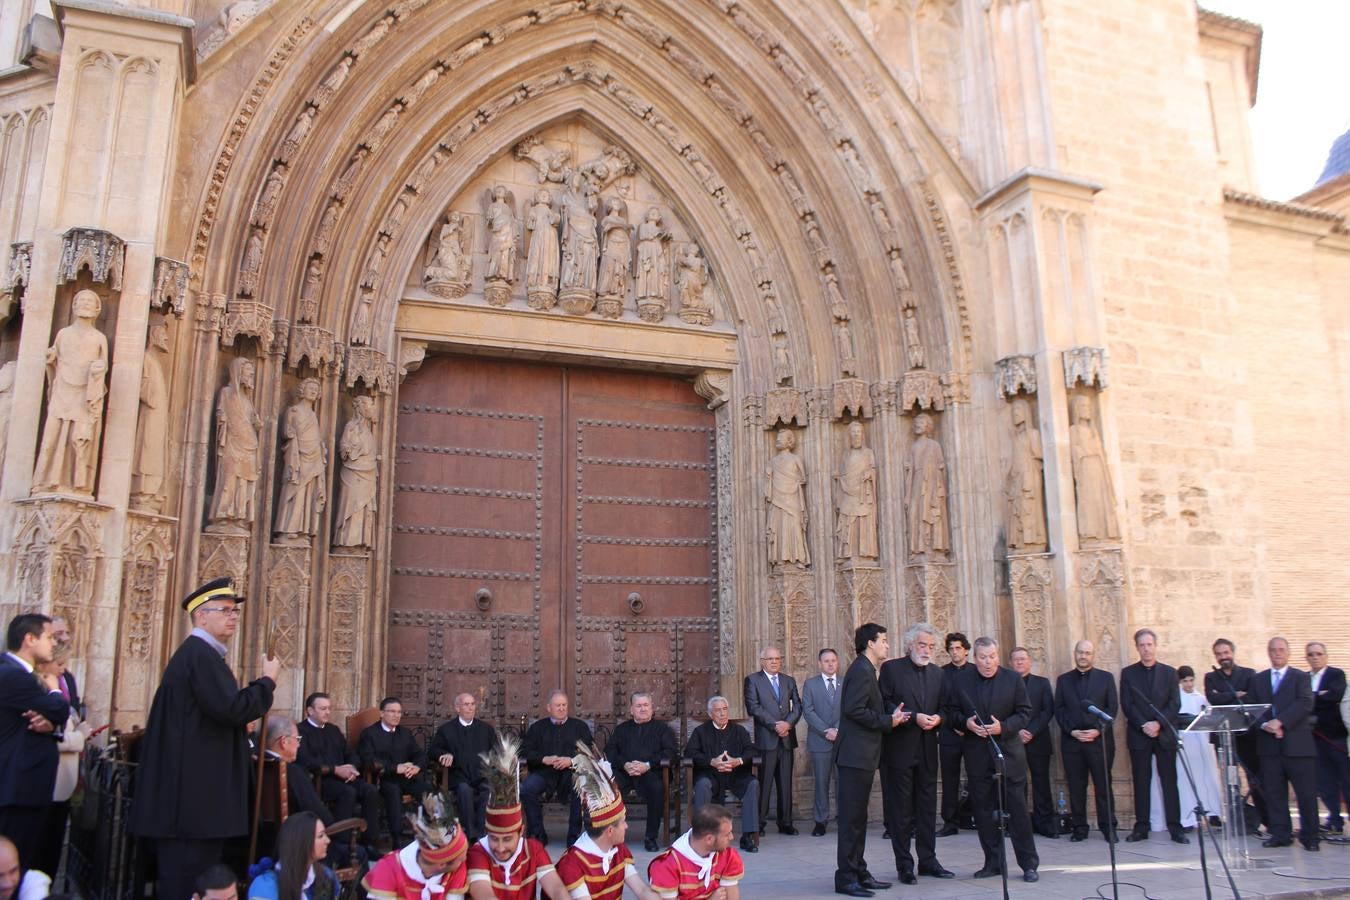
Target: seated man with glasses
[
  {"x": 400, "y": 761},
  {"x": 283, "y": 740}
]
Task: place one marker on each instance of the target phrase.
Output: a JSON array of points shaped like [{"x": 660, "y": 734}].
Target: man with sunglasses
[{"x": 192, "y": 786}]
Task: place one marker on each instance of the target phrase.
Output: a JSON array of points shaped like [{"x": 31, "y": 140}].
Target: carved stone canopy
[
  {"x": 368, "y": 365},
  {"x": 786, "y": 406},
  {"x": 312, "y": 344},
  {"x": 1085, "y": 364},
  {"x": 1015, "y": 374},
  {"x": 102, "y": 252},
  {"x": 250, "y": 317},
  {"x": 920, "y": 390},
  {"x": 17, "y": 274},
  {"x": 171, "y": 285},
  {"x": 851, "y": 397}
]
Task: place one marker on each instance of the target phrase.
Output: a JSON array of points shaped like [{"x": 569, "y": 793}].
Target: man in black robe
[
  {"x": 399, "y": 760},
  {"x": 951, "y": 745},
  {"x": 1035, "y": 736},
  {"x": 324, "y": 751},
  {"x": 721, "y": 753},
  {"x": 193, "y": 777},
  {"x": 1085, "y": 742},
  {"x": 548, "y": 748},
  {"x": 458, "y": 747},
  {"x": 1228, "y": 684},
  {"x": 637, "y": 750},
  {"x": 1148, "y": 738}
]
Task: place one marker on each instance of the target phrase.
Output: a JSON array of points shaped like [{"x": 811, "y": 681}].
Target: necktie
[
  {"x": 829, "y": 689},
  {"x": 1274, "y": 680},
  {"x": 773, "y": 683}
]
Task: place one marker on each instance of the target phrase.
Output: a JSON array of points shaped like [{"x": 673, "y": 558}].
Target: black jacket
[
  {"x": 1222, "y": 690},
  {"x": 1003, "y": 697},
  {"x": 1160, "y": 685},
  {"x": 901, "y": 681},
  {"x": 650, "y": 742},
  {"x": 707, "y": 741},
  {"x": 864, "y": 720},
  {"x": 390, "y": 749},
  {"x": 543, "y": 738},
  {"x": 1042, "y": 700},
  {"x": 1327, "y": 703},
  {"x": 1292, "y": 704},
  {"x": 324, "y": 747},
  {"x": 466, "y": 745},
  {"x": 27, "y": 760},
  {"x": 193, "y": 777},
  {"x": 1072, "y": 694},
  {"x": 948, "y": 735}
]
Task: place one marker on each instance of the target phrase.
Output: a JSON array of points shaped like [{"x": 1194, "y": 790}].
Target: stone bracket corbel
[
  {"x": 410, "y": 357},
  {"x": 714, "y": 386}
]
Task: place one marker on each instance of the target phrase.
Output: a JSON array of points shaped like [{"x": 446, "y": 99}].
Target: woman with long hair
[{"x": 298, "y": 873}]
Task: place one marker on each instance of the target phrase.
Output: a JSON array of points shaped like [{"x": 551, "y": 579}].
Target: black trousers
[
  {"x": 1244, "y": 745},
  {"x": 776, "y": 772},
  {"x": 52, "y": 839},
  {"x": 391, "y": 791},
  {"x": 180, "y": 861},
  {"x": 909, "y": 794},
  {"x": 1141, "y": 771},
  {"x": 854, "y": 791},
  {"x": 532, "y": 791},
  {"x": 471, "y": 801},
  {"x": 984, "y": 797},
  {"x": 1278, "y": 773},
  {"x": 23, "y": 826},
  {"x": 1081, "y": 760},
  {"x": 1042, "y": 807},
  {"x": 949, "y": 757},
  {"x": 653, "y": 792},
  {"x": 1333, "y": 777},
  {"x": 341, "y": 797}
]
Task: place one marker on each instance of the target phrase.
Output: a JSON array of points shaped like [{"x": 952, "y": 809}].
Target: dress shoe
[
  {"x": 1135, "y": 836},
  {"x": 1031, "y": 876},
  {"x": 1111, "y": 836},
  {"x": 1179, "y": 837},
  {"x": 948, "y": 831},
  {"x": 787, "y": 829},
  {"x": 1215, "y": 822},
  {"x": 988, "y": 872},
  {"x": 853, "y": 889},
  {"x": 748, "y": 844},
  {"x": 885, "y": 834},
  {"x": 908, "y": 878},
  {"x": 1310, "y": 846},
  {"x": 872, "y": 884},
  {"x": 1277, "y": 842},
  {"x": 1047, "y": 833},
  {"x": 651, "y": 846},
  {"x": 819, "y": 830},
  {"x": 1078, "y": 836},
  {"x": 936, "y": 872}
]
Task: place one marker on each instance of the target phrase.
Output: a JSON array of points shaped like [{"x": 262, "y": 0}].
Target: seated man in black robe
[
  {"x": 721, "y": 753},
  {"x": 550, "y": 743},
  {"x": 282, "y": 741},
  {"x": 458, "y": 747},
  {"x": 324, "y": 751},
  {"x": 395, "y": 754},
  {"x": 637, "y": 750}
]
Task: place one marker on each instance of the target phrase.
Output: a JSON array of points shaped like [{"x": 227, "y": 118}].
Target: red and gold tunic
[
  {"x": 531, "y": 863},
  {"x": 675, "y": 875},
  {"x": 578, "y": 866},
  {"x": 397, "y": 877}
]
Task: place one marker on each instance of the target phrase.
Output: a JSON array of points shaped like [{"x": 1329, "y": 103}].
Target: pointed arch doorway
[{"x": 554, "y": 527}]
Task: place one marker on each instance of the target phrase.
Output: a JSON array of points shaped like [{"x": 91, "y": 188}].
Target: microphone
[
  {"x": 1105, "y": 717},
  {"x": 975, "y": 714}
]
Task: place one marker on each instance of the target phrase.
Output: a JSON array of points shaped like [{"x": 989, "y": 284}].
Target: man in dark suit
[
  {"x": 820, "y": 708},
  {"x": 458, "y": 746},
  {"x": 1148, "y": 739},
  {"x": 31, "y": 715},
  {"x": 548, "y": 748},
  {"x": 1083, "y": 738},
  {"x": 1038, "y": 744},
  {"x": 909, "y": 755},
  {"x": 991, "y": 702},
  {"x": 864, "y": 721},
  {"x": 636, "y": 749},
  {"x": 282, "y": 741},
  {"x": 771, "y": 699},
  {"x": 392, "y": 750},
  {"x": 193, "y": 777},
  {"x": 1329, "y": 733},
  {"x": 1228, "y": 685},
  {"x": 324, "y": 750},
  {"x": 950, "y": 743},
  {"x": 720, "y": 752},
  {"x": 1284, "y": 738}
]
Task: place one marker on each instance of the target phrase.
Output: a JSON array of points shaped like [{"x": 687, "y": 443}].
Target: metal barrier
[{"x": 103, "y": 858}]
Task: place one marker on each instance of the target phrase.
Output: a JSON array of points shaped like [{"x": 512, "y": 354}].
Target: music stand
[{"x": 1226, "y": 721}]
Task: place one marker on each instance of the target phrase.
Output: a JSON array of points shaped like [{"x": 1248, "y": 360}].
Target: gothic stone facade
[{"x": 971, "y": 311}]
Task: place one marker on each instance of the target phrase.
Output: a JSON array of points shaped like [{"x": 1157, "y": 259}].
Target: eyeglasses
[
  {"x": 232, "y": 611},
  {"x": 292, "y": 737}
]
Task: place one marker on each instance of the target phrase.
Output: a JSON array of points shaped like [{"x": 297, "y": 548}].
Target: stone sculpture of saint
[
  {"x": 653, "y": 271},
  {"x": 926, "y": 494},
  {"x": 357, "y": 503},
  {"x": 856, "y": 523},
  {"x": 1026, "y": 483},
  {"x": 580, "y": 249},
  {"x": 693, "y": 282},
  {"x": 1096, "y": 499},
  {"x": 303, "y": 464},
  {"x": 152, "y": 423},
  {"x": 541, "y": 263},
  {"x": 501, "y": 224},
  {"x": 77, "y": 366},
  {"x": 237, "y": 464},
  {"x": 252, "y": 262},
  {"x": 785, "y": 491},
  {"x": 267, "y": 200},
  {"x": 616, "y": 260},
  {"x": 447, "y": 275},
  {"x": 6, "y": 405}
]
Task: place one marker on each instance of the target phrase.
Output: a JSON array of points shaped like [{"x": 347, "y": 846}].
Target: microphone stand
[
  {"x": 1202, "y": 819},
  {"x": 1001, "y": 766},
  {"x": 1110, "y": 800}
]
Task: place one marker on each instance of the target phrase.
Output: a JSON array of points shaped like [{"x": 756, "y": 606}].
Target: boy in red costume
[{"x": 431, "y": 867}]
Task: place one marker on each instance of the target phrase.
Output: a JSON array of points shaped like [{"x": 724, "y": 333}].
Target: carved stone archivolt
[
  {"x": 101, "y": 252},
  {"x": 77, "y": 366}
]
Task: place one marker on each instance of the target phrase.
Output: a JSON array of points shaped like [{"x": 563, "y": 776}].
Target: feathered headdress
[
  {"x": 502, "y": 768},
  {"x": 437, "y": 830},
  {"x": 593, "y": 780}
]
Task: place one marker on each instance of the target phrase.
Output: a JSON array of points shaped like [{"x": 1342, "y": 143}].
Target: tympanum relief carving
[{"x": 447, "y": 272}]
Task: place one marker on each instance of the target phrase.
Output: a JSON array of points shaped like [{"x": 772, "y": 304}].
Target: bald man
[
  {"x": 15, "y": 883},
  {"x": 1083, "y": 737},
  {"x": 458, "y": 747}
]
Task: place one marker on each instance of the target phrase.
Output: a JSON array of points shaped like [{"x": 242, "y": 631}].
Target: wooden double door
[{"x": 554, "y": 527}]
